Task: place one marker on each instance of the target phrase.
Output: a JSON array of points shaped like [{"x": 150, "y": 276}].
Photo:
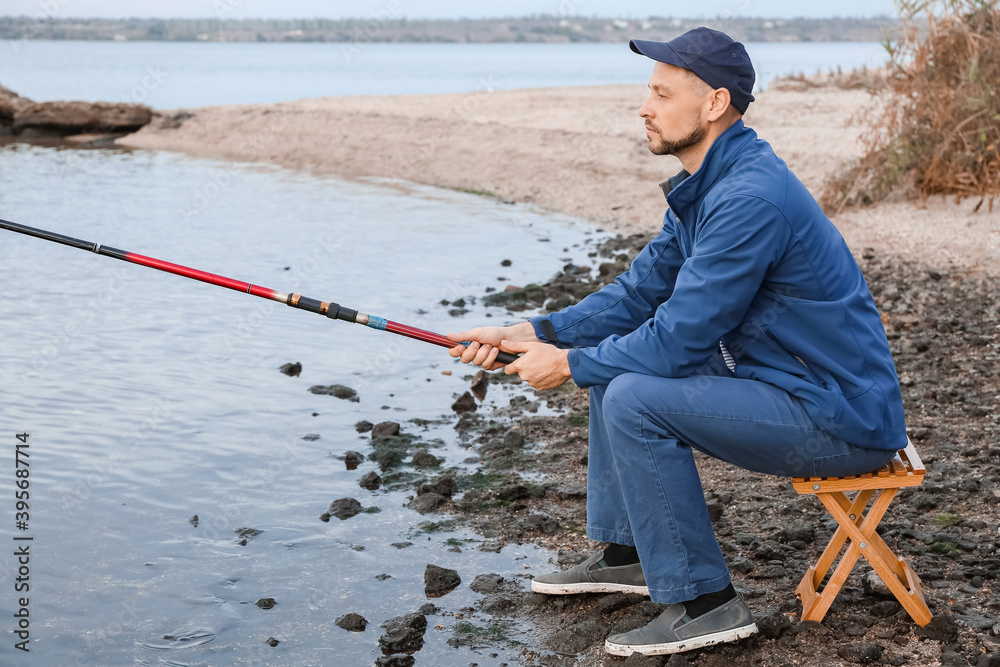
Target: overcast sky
[{"x": 439, "y": 8}]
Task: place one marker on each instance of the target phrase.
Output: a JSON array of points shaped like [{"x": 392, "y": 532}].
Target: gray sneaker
[
  {"x": 673, "y": 632},
  {"x": 593, "y": 576}
]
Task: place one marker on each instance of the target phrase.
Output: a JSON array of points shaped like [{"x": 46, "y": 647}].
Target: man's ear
[{"x": 719, "y": 102}]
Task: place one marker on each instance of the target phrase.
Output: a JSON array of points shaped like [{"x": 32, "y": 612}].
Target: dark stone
[
  {"x": 445, "y": 486},
  {"x": 799, "y": 530},
  {"x": 364, "y": 426},
  {"x": 272, "y": 642},
  {"x": 486, "y": 583},
  {"x": 439, "y": 581},
  {"x": 505, "y": 262},
  {"x": 194, "y": 521},
  {"x": 511, "y": 492},
  {"x": 578, "y": 637},
  {"x": 611, "y": 603},
  {"x": 429, "y": 608},
  {"x": 773, "y": 625},
  {"x": 352, "y": 622},
  {"x": 715, "y": 509},
  {"x": 465, "y": 403},
  {"x": 770, "y": 571},
  {"x": 942, "y": 628},
  {"x": 338, "y": 390},
  {"x": 384, "y": 429},
  {"x": 291, "y": 370},
  {"x": 401, "y": 545},
  {"x": 862, "y": 653},
  {"x": 427, "y": 502},
  {"x": 311, "y": 437},
  {"x": 479, "y": 384},
  {"x": 424, "y": 459},
  {"x": 266, "y": 603},
  {"x": 403, "y": 634},
  {"x": 395, "y": 661},
  {"x": 885, "y": 608},
  {"x": 370, "y": 481},
  {"x": 741, "y": 566},
  {"x": 540, "y": 522},
  {"x": 950, "y": 658},
  {"x": 989, "y": 660},
  {"x": 383, "y": 576},
  {"x": 513, "y": 440},
  {"x": 353, "y": 459},
  {"x": 344, "y": 508}
]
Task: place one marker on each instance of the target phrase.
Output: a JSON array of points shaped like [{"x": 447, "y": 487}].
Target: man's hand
[
  {"x": 485, "y": 343},
  {"x": 541, "y": 365}
]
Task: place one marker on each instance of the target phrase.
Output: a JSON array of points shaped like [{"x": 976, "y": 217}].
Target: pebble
[
  {"x": 291, "y": 370},
  {"x": 336, "y": 390},
  {"x": 370, "y": 481},
  {"x": 266, "y": 603},
  {"x": 383, "y": 429},
  {"x": 271, "y": 641},
  {"x": 352, "y": 622},
  {"x": 343, "y": 508},
  {"x": 439, "y": 581},
  {"x": 403, "y": 634},
  {"x": 465, "y": 403}
]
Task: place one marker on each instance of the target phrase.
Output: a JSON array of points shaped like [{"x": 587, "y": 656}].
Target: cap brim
[{"x": 659, "y": 51}]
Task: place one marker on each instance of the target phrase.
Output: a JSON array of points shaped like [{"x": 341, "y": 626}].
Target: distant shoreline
[
  {"x": 513, "y": 146},
  {"x": 392, "y": 26}
]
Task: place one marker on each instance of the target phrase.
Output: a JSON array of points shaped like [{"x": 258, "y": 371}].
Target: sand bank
[{"x": 580, "y": 151}]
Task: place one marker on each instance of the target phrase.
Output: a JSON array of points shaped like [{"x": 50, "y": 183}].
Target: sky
[{"x": 414, "y": 9}]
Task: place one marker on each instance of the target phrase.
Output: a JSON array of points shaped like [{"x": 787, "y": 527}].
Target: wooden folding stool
[{"x": 858, "y": 530}]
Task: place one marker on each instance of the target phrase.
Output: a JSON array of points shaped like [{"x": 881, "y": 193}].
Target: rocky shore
[{"x": 530, "y": 486}]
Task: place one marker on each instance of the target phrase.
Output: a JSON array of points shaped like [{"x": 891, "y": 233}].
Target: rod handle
[{"x": 506, "y": 357}]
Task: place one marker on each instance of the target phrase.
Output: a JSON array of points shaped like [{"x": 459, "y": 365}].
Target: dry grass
[{"x": 936, "y": 129}]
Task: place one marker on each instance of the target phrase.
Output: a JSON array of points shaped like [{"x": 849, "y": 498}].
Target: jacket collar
[{"x": 684, "y": 190}]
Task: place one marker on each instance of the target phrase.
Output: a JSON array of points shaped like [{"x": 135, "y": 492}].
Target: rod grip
[{"x": 507, "y": 357}]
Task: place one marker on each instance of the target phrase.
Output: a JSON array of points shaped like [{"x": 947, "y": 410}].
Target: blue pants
[{"x": 643, "y": 488}]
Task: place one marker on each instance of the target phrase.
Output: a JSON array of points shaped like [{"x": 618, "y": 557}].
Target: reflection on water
[{"x": 150, "y": 399}]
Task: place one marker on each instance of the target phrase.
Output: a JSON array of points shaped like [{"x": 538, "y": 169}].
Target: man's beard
[{"x": 665, "y": 147}]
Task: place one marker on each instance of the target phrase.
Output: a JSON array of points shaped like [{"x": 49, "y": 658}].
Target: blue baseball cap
[{"x": 713, "y": 56}]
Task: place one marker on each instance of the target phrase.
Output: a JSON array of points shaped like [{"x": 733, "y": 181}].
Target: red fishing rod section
[{"x": 327, "y": 308}]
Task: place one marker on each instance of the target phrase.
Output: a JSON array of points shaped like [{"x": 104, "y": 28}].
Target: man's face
[{"x": 673, "y": 109}]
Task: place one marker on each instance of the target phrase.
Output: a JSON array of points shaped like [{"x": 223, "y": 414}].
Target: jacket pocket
[{"x": 810, "y": 373}]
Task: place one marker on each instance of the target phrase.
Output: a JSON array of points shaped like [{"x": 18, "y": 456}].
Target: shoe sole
[
  {"x": 668, "y": 648},
  {"x": 586, "y": 587}
]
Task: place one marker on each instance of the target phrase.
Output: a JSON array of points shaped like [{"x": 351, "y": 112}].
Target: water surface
[{"x": 150, "y": 398}]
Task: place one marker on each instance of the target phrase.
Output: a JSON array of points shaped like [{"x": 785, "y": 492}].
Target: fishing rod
[{"x": 332, "y": 310}]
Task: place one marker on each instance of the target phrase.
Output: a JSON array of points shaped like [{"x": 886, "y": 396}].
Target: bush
[{"x": 937, "y": 127}]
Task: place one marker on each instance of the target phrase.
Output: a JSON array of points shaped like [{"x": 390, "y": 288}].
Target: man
[{"x": 744, "y": 330}]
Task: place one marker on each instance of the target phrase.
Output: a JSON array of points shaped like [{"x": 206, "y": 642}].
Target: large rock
[
  {"x": 11, "y": 103},
  {"x": 68, "y": 118}
]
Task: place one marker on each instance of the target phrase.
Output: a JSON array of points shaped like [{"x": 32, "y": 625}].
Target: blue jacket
[{"x": 745, "y": 256}]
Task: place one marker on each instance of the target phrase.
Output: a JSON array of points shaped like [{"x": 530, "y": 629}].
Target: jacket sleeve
[
  {"x": 736, "y": 245},
  {"x": 623, "y": 305}
]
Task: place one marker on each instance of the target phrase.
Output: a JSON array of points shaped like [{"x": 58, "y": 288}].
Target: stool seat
[{"x": 857, "y": 529}]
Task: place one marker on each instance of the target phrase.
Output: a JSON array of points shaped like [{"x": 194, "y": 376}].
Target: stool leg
[{"x": 890, "y": 569}]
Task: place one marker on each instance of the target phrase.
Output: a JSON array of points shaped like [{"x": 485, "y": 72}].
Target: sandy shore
[{"x": 579, "y": 151}]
